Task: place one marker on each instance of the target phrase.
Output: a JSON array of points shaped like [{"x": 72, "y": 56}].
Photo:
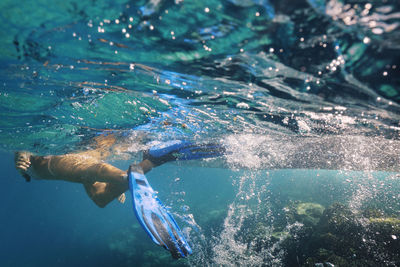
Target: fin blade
[{"x": 154, "y": 217}]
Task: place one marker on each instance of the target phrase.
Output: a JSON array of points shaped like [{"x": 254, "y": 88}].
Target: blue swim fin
[
  {"x": 182, "y": 150},
  {"x": 154, "y": 217}
]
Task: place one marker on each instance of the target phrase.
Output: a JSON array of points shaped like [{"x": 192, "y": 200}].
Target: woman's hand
[
  {"x": 22, "y": 161},
  {"x": 122, "y": 198}
]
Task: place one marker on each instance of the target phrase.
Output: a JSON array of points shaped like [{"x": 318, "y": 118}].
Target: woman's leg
[{"x": 104, "y": 193}]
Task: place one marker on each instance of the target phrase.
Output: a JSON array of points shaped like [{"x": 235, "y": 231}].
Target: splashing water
[{"x": 228, "y": 249}]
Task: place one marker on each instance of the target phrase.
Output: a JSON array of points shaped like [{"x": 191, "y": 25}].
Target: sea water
[{"x": 260, "y": 77}]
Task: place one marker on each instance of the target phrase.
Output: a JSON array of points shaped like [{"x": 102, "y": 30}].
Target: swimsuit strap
[{"x": 49, "y": 165}]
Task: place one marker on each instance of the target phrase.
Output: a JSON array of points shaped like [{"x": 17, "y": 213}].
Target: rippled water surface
[{"x": 305, "y": 96}]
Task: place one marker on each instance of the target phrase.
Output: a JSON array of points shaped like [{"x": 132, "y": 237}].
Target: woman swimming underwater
[{"x": 104, "y": 182}]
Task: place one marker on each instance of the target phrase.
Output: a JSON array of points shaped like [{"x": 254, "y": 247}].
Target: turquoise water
[{"x": 304, "y": 95}]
